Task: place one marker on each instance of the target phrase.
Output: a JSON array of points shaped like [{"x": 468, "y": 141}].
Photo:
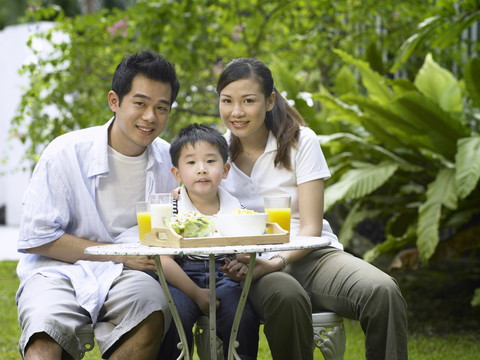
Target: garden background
[{"x": 391, "y": 89}]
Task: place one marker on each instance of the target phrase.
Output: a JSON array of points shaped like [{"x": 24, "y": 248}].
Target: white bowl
[{"x": 240, "y": 224}]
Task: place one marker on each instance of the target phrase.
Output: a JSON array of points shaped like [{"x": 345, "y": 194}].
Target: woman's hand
[
  {"x": 237, "y": 269},
  {"x": 234, "y": 269}
]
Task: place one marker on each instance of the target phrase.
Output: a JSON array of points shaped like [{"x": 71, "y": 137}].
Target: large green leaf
[
  {"x": 391, "y": 244},
  {"x": 456, "y": 26},
  {"x": 439, "y": 85},
  {"x": 375, "y": 83},
  {"x": 442, "y": 129},
  {"x": 347, "y": 112},
  {"x": 345, "y": 82},
  {"x": 425, "y": 29},
  {"x": 368, "y": 146},
  {"x": 355, "y": 215},
  {"x": 383, "y": 115},
  {"x": 471, "y": 75},
  {"x": 440, "y": 192},
  {"x": 404, "y": 131},
  {"x": 359, "y": 182},
  {"x": 467, "y": 161}
]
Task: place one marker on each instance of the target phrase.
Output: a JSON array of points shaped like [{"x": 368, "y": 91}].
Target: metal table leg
[
  {"x": 183, "y": 344},
  {"x": 233, "y": 344},
  {"x": 213, "y": 310}
]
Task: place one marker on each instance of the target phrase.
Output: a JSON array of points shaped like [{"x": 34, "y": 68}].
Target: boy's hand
[
  {"x": 202, "y": 298},
  {"x": 176, "y": 193}
]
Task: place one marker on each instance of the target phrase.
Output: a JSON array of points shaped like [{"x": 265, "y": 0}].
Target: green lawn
[{"x": 424, "y": 345}]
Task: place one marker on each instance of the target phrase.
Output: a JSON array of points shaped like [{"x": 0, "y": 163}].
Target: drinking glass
[
  {"x": 278, "y": 209},
  {"x": 143, "y": 218},
  {"x": 161, "y": 208}
]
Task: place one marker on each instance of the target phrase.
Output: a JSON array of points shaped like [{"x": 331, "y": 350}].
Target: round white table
[{"x": 136, "y": 249}]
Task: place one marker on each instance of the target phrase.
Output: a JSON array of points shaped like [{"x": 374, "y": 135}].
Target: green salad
[{"x": 192, "y": 224}]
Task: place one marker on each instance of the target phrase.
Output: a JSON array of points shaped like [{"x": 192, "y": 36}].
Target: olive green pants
[{"x": 333, "y": 280}]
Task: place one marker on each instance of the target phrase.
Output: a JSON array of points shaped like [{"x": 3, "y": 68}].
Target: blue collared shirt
[{"x": 61, "y": 199}]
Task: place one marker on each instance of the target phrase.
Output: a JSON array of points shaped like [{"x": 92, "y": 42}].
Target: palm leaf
[
  {"x": 440, "y": 192},
  {"x": 425, "y": 28},
  {"x": 442, "y": 129},
  {"x": 455, "y": 29},
  {"x": 471, "y": 75},
  {"x": 391, "y": 244},
  {"x": 375, "y": 83},
  {"x": 439, "y": 85},
  {"x": 467, "y": 165},
  {"x": 356, "y": 183},
  {"x": 355, "y": 215},
  {"x": 367, "y": 145}
]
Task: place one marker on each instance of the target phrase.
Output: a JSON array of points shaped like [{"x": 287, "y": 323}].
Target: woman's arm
[
  {"x": 310, "y": 203},
  {"x": 310, "y": 206}
]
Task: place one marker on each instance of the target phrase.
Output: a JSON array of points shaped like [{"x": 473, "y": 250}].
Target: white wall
[{"x": 13, "y": 54}]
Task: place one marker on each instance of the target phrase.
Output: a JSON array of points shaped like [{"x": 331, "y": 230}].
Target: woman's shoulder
[
  {"x": 306, "y": 132},
  {"x": 307, "y": 137}
]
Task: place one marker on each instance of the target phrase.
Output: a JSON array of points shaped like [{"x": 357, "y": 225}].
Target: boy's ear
[
  {"x": 226, "y": 169},
  {"x": 176, "y": 174}
]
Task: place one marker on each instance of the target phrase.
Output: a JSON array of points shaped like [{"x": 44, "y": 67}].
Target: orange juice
[
  {"x": 281, "y": 216},
  {"x": 144, "y": 224}
]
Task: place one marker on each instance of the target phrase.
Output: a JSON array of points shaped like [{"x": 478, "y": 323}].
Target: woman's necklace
[{"x": 250, "y": 157}]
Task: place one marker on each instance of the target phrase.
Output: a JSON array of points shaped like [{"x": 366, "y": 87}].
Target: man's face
[{"x": 141, "y": 116}]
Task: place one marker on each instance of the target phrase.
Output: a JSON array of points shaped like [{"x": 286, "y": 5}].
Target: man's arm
[{"x": 70, "y": 249}]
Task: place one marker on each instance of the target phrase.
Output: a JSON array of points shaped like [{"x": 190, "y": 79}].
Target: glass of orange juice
[
  {"x": 144, "y": 218},
  {"x": 278, "y": 209}
]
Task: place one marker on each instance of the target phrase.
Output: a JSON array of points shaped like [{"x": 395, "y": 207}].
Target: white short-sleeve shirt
[{"x": 308, "y": 163}]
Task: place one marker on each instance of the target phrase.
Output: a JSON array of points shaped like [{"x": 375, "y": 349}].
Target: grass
[{"x": 436, "y": 333}]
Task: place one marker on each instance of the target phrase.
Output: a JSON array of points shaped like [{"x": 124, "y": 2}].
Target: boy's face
[
  {"x": 201, "y": 169},
  {"x": 141, "y": 116}
]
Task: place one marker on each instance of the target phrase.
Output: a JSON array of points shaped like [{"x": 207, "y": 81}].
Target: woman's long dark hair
[{"x": 283, "y": 120}]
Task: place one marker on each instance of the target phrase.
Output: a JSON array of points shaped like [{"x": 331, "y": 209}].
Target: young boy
[{"x": 199, "y": 156}]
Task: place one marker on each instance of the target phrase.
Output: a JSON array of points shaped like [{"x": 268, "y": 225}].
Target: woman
[{"x": 274, "y": 153}]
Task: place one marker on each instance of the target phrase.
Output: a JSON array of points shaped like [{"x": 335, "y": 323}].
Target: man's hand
[{"x": 138, "y": 262}]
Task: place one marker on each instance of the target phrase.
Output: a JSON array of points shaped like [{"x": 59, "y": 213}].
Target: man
[{"x": 83, "y": 193}]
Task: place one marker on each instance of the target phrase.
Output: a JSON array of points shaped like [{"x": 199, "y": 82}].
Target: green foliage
[
  {"x": 69, "y": 82},
  {"x": 441, "y": 30},
  {"x": 416, "y": 159},
  {"x": 10, "y": 10},
  {"x": 9, "y": 331}
]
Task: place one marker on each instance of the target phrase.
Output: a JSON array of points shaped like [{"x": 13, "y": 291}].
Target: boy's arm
[{"x": 177, "y": 277}]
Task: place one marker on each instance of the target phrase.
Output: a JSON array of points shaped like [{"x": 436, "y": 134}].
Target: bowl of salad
[
  {"x": 191, "y": 225},
  {"x": 241, "y": 222}
]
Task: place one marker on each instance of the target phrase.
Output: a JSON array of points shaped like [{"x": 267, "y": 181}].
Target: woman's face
[{"x": 243, "y": 107}]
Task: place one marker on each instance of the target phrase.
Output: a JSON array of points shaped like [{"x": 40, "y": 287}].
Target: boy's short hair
[
  {"x": 193, "y": 133},
  {"x": 147, "y": 63}
]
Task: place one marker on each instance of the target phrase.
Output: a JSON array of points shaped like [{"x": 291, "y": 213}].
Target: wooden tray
[{"x": 167, "y": 237}]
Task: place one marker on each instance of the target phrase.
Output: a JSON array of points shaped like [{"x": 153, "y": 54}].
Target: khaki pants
[
  {"x": 48, "y": 304},
  {"x": 331, "y": 279}
]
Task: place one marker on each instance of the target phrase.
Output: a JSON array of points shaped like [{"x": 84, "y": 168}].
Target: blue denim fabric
[{"x": 229, "y": 293}]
